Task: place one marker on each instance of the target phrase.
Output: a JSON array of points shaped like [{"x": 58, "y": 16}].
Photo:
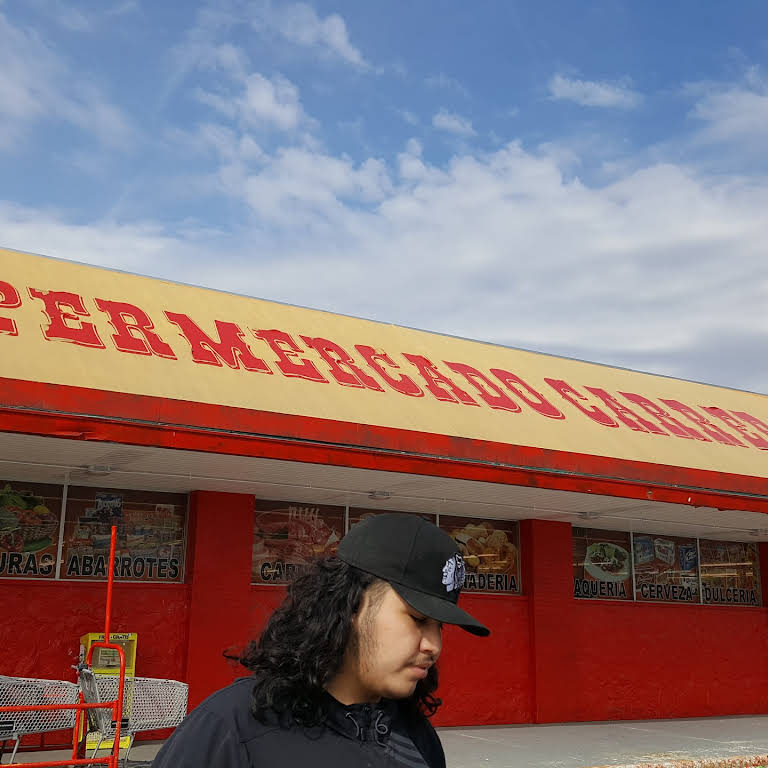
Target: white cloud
[
  {"x": 408, "y": 116},
  {"x": 222, "y": 103},
  {"x": 139, "y": 247},
  {"x": 733, "y": 112},
  {"x": 260, "y": 102},
  {"x": 452, "y": 123},
  {"x": 123, "y": 8},
  {"x": 442, "y": 80},
  {"x": 297, "y": 23},
  {"x": 300, "y": 23},
  {"x": 226, "y": 58},
  {"x": 590, "y": 93},
  {"x": 68, "y": 16},
  {"x": 37, "y": 85},
  {"x": 273, "y": 101},
  {"x": 314, "y": 190},
  {"x": 71, "y": 18},
  {"x": 503, "y": 247}
]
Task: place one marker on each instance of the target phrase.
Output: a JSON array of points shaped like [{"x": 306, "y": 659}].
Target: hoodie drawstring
[
  {"x": 359, "y": 730},
  {"x": 380, "y": 730}
]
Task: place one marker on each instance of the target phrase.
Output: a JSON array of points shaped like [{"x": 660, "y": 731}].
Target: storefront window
[
  {"x": 150, "y": 534},
  {"x": 666, "y": 569},
  {"x": 602, "y": 564},
  {"x": 730, "y": 573},
  {"x": 30, "y": 516},
  {"x": 288, "y": 535},
  {"x": 491, "y": 551}
]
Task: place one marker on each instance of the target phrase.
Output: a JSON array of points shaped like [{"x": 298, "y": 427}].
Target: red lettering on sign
[
  {"x": 449, "y": 392},
  {"x": 572, "y": 396},
  {"x": 491, "y": 393},
  {"x": 703, "y": 423},
  {"x": 127, "y": 320},
  {"x": 759, "y": 425},
  {"x": 669, "y": 422},
  {"x": 739, "y": 426},
  {"x": 537, "y": 401},
  {"x": 288, "y": 353},
  {"x": 9, "y": 299},
  {"x": 64, "y": 311},
  {"x": 231, "y": 349},
  {"x": 626, "y": 415},
  {"x": 402, "y": 384},
  {"x": 341, "y": 365}
]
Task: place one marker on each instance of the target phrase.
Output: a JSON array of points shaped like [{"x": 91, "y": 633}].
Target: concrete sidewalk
[
  {"x": 624, "y": 743},
  {"x": 700, "y": 743}
]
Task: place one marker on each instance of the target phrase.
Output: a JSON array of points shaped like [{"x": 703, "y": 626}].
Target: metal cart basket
[
  {"x": 148, "y": 704},
  {"x": 28, "y": 691}
]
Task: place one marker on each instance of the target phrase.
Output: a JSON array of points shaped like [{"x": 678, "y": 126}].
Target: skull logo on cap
[{"x": 454, "y": 572}]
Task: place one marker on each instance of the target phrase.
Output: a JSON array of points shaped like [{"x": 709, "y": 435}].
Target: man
[{"x": 344, "y": 673}]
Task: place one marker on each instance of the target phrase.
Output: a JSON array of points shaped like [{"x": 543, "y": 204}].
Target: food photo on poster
[
  {"x": 30, "y": 515},
  {"x": 602, "y": 564},
  {"x": 289, "y": 535},
  {"x": 666, "y": 568},
  {"x": 730, "y": 573},
  {"x": 491, "y": 552},
  {"x": 150, "y": 534}
]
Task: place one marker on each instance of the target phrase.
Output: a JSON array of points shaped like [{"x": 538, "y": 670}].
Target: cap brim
[{"x": 441, "y": 610}]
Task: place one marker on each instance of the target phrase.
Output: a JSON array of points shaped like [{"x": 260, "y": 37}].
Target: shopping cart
[
  {"x": 149, "y": 704},
  {"x": 19, "y": 711},
  {"x": 27, "y": 691}
]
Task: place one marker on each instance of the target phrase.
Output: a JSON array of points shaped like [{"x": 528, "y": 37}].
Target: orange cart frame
[{"x": 82, "y": 707}]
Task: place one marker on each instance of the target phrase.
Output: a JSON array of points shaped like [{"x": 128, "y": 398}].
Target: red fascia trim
[{"x": 56, "y": 411}]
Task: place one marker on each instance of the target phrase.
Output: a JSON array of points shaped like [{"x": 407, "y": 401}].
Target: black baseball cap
[{"x": 422, "y": 564}]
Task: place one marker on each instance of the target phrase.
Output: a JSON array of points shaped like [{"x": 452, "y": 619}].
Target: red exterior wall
[
  {"x": 220, "y": 543},
  {"x": 624, "y": 661},
  {"x": 486, "y": 680},
  {"x": 42, "y": 623},
  {"x": 603, "y": 660}
]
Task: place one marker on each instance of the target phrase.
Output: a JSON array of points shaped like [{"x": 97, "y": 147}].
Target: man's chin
[{"x": 403, "y": 691}]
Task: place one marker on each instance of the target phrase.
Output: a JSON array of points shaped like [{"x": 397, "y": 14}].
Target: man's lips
[{"x": 420, "y": 670}]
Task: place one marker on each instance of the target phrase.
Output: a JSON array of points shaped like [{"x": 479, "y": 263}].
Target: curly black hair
[{"x": 303, "y": 644}]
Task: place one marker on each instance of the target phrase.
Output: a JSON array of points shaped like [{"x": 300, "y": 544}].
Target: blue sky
[{"x": 587, "y": 179}]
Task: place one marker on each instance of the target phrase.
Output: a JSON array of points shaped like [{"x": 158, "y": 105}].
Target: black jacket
[{"x": 222, "y": 733}]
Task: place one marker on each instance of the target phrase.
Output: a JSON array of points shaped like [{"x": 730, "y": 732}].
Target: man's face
[{"x": 395, "y": 646}]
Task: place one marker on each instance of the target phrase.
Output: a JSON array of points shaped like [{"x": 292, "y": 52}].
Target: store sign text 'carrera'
[{"x": 127, "y": 327}]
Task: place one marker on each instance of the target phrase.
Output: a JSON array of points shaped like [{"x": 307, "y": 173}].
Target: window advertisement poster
[
  {"x": 602, "y": 564},
  {"x": 491, "y": 552},
  {"x": 150, "y": 534},
  {"x": 730, "y": 573},
  {"x": 666, "y": 569},
  {"x": 288, "y": 535},
  {"x": 30, "y": 515}
]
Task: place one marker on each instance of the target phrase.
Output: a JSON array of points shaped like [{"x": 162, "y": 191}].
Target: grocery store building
[{"x": 613, "y": 522}]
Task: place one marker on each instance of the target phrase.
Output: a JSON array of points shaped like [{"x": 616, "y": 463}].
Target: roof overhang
[{"x": 111, "y": 465}]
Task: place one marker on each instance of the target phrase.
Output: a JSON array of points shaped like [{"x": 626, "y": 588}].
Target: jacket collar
[{"x": 361, "y": 722}]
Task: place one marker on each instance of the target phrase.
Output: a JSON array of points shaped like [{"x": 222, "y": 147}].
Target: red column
[
  {"x": 219, "y": 575},
  {"x": 548, "y": 581}
]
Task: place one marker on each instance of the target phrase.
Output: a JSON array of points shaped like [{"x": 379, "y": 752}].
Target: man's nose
[{"x": 432, "y": 639}]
